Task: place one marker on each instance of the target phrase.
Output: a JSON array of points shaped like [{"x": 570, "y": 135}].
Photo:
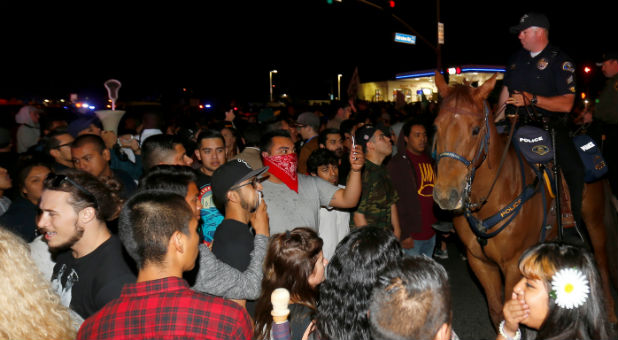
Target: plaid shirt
[{"x": 167, "y": 308}]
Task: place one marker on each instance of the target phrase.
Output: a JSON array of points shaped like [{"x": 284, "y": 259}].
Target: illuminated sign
[{"x": 405, "y": 38}]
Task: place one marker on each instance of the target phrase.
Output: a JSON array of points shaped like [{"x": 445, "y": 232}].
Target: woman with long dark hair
[
  {"x": 294, "y": 261},
  {"x": 560, "y": 295},
  {"x": 232, "y": 141},
  {"x": 352, "y": 273}
]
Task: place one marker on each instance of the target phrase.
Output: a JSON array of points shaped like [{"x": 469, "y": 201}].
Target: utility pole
[{"x": 438, "y": 50}]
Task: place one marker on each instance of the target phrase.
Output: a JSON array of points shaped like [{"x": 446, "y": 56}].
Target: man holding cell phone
[
  {"x": 377, "y": 205},
  {"x": 294, "y": 199}
]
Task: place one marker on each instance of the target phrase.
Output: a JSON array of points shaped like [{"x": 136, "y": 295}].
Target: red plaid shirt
[{"x": 167, "y": 308}]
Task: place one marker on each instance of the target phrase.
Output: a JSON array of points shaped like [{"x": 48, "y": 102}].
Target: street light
[
  {"x": 270, "y": 76},
  {"x": 339, "y": 86}
]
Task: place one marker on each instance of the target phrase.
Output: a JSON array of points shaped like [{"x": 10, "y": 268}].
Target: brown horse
[{"x": 470, "y": 152}]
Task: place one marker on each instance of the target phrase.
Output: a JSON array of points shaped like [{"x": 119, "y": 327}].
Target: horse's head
[{"x": 462, "y": 128}]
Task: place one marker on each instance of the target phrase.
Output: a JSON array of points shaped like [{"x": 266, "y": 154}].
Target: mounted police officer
[{"x": 540, "y": 79}]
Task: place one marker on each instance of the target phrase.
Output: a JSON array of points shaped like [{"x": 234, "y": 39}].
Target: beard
[
  {"x": 246, "y": 205},
  {"x": 339, "y": 152},
  {"x": 78, "y": 232}
]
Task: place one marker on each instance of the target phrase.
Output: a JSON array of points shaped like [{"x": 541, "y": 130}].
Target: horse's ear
[
  {"x": 441, "y": 84},
  {"x": 484, "y": 90}
]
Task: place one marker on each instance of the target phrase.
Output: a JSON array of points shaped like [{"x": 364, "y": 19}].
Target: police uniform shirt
[{"x": 551, "y": 73}]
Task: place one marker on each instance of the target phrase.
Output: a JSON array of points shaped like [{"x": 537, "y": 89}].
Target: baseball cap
[
  {"x": 230, "y": 174},
  {"x": 529, "y": 20},
  {"x": 609, "y": 55},
  {"x": 310, "y": 119},
  {"x": 364, "y": 133},
  {"x": 82, "y": 123}
]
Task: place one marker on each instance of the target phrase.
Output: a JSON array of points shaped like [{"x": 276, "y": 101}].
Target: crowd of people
[{"x": 183, "y": 226}]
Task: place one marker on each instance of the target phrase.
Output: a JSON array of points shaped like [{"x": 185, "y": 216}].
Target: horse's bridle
[
  {"x": 473, "y": 164},
  {"x": 481, "y": 226}
]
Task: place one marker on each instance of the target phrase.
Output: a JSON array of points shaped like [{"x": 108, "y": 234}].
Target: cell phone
[
  {"x": 260, "y": 197},
  {"x": 353, "y": 143}
]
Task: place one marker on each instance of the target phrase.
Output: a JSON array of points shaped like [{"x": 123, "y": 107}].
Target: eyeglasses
[
  {"x": 56, "y": 181},
  {"x": 253, "y": 183}
]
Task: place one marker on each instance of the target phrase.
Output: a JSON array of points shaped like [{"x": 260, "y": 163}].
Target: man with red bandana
[{"x": 294, "y": 199}]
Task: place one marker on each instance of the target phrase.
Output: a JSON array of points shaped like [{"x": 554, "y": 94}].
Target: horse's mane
[{"x": 459, "y": 94}]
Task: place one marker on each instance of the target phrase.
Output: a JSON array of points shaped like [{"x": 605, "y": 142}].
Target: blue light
[
  {"x": 417, "y": 75},
  {"x": 483, "y": 70},
  {"x": 91, "y": 107},
  {"x": 208, "y": 106}
]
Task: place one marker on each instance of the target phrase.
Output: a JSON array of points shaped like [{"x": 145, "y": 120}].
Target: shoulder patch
[{"x": 568, "y": 66}]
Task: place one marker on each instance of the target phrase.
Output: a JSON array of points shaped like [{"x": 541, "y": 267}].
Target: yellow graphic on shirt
[{"x": 427, "y": 178}]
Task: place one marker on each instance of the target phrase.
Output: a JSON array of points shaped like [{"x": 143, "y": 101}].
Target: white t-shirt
[
  {"x": 334, "y": 226},
  {"x": 288, "y": 209}
]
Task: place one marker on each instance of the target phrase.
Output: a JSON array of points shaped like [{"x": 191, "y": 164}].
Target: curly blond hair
[{"x": 30, "y": 308}]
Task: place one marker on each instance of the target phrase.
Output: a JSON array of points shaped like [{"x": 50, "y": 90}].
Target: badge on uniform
[
  {"x": 542, "y": 64},
  {"x": 567, "y": 66},
  {"x": 569, "y": 79}
]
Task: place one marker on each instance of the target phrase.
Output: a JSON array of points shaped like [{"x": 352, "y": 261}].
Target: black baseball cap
[
  {"x": 230, "y": 174},
  {"x": 529, "y": 20},
  {"x": 364, "y": 133},
  {"x": 609, "y": 55}
]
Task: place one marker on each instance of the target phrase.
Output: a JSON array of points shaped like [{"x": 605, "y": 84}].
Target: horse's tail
[{"x": 611, "y": 225}]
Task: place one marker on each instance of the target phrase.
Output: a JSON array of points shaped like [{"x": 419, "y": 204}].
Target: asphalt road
[{"x": 470, "y": 314}]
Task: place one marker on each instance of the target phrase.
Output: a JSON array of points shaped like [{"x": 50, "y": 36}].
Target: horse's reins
[{"x": 476, "y": 206}]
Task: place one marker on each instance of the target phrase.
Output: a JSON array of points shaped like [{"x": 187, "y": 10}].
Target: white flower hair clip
[{"x": 570, "y": 288}]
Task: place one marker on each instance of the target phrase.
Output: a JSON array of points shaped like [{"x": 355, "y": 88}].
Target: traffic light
[{"x": 391, "y": 3}]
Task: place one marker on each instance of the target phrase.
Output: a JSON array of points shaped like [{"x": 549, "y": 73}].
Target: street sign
[{"x": 405, "y": 38}]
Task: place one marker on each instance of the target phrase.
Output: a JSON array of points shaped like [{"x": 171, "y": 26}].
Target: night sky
[{"x": 224, "y": 49}]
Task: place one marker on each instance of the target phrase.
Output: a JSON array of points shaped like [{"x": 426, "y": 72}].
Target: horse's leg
[
  {"x": 489, "y": 275},
  {"x": 611, "y": 228},
  {"x": 593, "y": 207},
  {"x": 512, "y": 275}
]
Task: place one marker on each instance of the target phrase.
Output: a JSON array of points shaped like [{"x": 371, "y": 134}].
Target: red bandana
[{"x": 284, "y": 168}]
